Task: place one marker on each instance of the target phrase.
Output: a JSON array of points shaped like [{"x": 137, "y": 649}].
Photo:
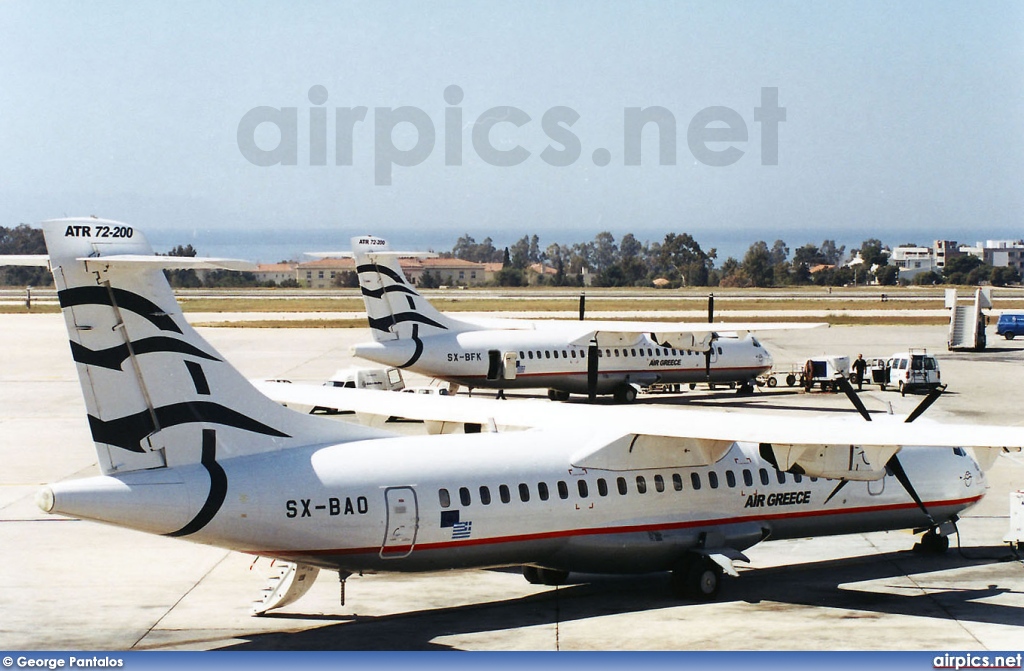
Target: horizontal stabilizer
[
  {"x": 38, "y": 260},
  {"x": 169, "y": 262}
]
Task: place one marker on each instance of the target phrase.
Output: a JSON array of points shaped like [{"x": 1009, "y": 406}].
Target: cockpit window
[
  {"x": 754, "y": 340},
  {"x": 959, "y": 451}
]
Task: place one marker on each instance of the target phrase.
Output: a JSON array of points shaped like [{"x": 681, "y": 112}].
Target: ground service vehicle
[
  {"x": 909, "y": 371},
  {"x": 1010, "y": 325}
]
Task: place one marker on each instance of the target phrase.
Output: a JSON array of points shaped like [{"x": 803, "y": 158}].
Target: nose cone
[
  {"x": 766, "y": 357},
  {"x": 44, "y": 499}
]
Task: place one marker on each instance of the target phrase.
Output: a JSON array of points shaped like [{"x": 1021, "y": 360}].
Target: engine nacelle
[{"x": 838, "y": 462}]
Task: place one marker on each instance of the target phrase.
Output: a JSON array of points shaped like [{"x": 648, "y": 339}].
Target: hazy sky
[{"x": 900, "y": 117}]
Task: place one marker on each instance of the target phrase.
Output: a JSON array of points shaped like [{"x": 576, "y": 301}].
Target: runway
[{"x": 77, "y": 585}]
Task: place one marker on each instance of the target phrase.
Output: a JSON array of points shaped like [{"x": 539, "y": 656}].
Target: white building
[{"x": 913, "y": 261}]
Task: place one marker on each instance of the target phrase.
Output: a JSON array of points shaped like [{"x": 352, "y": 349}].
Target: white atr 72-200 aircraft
[
  {"x": 567, "y": 357},
  {"x": 188, "y": 448}
]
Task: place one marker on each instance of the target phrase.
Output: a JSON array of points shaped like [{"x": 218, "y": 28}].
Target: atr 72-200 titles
[
  {"x": 585, "y": 357},
  {"x": 188, "y": 448}
]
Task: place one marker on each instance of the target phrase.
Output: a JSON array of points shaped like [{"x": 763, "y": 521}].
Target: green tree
[
  {"x": 757, "y": 264},
  {"x": 1000, "y": 277},
  {"x": 681, "y": 257},
  {"x": 958, "y": 269},
  {"x": 888, "y": 275},
  {"x": 346, "y": 279},
  {"x": 184, "y": 278}
]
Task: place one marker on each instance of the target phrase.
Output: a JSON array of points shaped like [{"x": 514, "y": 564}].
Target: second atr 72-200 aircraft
[
  {"x": 188, "y": 448},
  {"x": 566, "y": 357}
]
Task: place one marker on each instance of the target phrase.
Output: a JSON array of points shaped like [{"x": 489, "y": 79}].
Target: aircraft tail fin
[
  {"x": 395, "y": 310},
  {"x": 157, "y": 394}
]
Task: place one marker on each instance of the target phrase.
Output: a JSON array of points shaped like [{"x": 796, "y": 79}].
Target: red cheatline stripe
[
  {"x": 634, "y": 371},
  {"x": 599, "y": 531}
]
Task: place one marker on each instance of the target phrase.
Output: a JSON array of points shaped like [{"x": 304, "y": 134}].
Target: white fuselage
[
  {"x": 545, "y": 359},
  {"x": 435, "y": 502}
]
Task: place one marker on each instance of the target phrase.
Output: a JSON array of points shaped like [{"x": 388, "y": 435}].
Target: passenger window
[
  {"x": 485, "y": 496},
  {"x": 464, "y": 495},
  {"x": 764, "y": 476},
  {"x": 539, "y": 355},
  {"x": 677, "y": 482},
  {"x": 632, "y": 352},
  {"x": 657, "y": 351},
  {"x": 572, "y": 353},
  {"x": 641, "y": 484},
  {"x": 748, "y": 477},
  {"x": 798, "y": 478},
  {"x": 713, "y": 480},
  {"x": 620, "y": 483},
  {"x": 695, "y": 481},
  {"x": 602, "y": 487},
  {"x": 781, "y": 476},
  {"x": 522, "y": 355},
  {"x": 616, "y": 352},
  {"x": 547, "y": 354},
  {"x": 530, "y": 355},
  {"x": 524, "y": 492},
  {"x": 659, "y": 483},
  {"x": 444, "y": 498},
  {"x": 565, "y": 355},
  {"x": 503, "y": 493},
  {"x": 542, "y": 491},
  {"x": 581, "y": 485},
  {"x": 730, "y": 478},
  {"x": 563, "y": 489}
]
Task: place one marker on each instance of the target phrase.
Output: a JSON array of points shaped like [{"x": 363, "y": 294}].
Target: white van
[
  {"x": 385, "y": 379},
  {"x": 909, "y": 371}
]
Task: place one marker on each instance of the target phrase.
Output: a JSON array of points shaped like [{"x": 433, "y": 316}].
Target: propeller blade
[
  {"x": 711, "y": 308},
  {"x": 932, "y": 396},
  {"x": 592, "y": 369},
  {"x": 897, "y": 469},
  {"x": 583, "y": 304},
  {"x": 842, "y": 483},
  {"x": 847, "y": 388},
  {"x": 707, "y": 363}
]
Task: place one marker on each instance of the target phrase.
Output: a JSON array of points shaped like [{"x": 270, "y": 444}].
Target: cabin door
[{"x": 401, "y": 524}]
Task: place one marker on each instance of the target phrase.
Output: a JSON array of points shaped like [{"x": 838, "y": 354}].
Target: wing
[
  {"x": 680, "y": 335},
  {"x": 641, "y": 436}
]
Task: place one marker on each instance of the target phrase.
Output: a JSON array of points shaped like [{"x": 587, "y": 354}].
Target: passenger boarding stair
[
  {"x": 966, "y": 320},
  {"x": 286, "y": 585}
]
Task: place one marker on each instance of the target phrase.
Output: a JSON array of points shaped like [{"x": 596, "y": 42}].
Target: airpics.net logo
[{"x": 716, "y": 136}]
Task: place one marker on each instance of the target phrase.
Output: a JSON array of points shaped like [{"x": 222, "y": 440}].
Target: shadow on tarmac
[{"x": 813, "y": 584}]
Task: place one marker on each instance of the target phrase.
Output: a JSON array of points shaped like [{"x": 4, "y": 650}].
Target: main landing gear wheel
[
  {"x": 625, "y": 394},
  {"x": 558, "y": 395},
  {"x": 697, "y": 578},
  {"x": 544, "y": 576},
  {"x": 932, "y": 543}
]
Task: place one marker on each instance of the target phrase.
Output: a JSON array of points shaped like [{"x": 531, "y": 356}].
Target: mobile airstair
[{"x": 966, "y": 320}]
